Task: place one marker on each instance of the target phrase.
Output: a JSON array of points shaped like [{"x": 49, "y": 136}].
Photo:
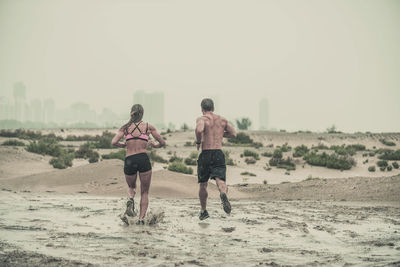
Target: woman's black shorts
[{"x": 137, "y": 163}]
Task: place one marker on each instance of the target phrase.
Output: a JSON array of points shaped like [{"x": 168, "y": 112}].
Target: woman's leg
[
  {"x": 131, "y": 181},
  {"x": 145, "y": 179},
  {"x": 130, "y": 204}
]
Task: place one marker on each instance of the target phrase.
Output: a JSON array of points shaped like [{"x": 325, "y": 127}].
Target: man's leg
[
  {"x": 221, "y": 185},
  {"x": 203, "y": 194},
  {"x": 224, "y": 198},
  {"x": 145, "y": 179}
]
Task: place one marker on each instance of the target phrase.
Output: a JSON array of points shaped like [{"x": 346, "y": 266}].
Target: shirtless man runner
[{"x": 210, "y": 129}]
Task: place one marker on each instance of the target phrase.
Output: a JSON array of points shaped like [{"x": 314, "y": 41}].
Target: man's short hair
[{"x": 207, "y": 104}]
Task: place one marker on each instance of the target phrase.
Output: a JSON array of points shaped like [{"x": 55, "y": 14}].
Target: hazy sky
[{"x": 317, "y": 62}]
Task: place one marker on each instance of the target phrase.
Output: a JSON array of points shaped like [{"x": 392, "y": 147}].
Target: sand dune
[{"x": 106, "y": 178}]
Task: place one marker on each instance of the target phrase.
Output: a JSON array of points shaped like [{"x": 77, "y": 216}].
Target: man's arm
[
  {"x": 229, "y": 131},
  {"x": 199, "y": 131},
  {"x": 117, "y": 137}
]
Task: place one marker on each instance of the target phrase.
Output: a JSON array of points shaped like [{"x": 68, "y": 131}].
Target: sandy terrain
[
  {"x": 66, "y": 229},
  {"x": 70, "y": 217}
]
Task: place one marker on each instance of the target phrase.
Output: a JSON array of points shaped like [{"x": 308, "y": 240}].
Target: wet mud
[{"x": 83, "y": 230}]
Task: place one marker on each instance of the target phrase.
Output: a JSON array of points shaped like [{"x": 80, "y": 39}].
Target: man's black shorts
[
  {"x": 137, "y": 163},
  {"x": 211, "y": 164}
]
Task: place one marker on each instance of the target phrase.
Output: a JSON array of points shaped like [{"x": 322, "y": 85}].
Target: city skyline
[{"x": 22, "y": 108}]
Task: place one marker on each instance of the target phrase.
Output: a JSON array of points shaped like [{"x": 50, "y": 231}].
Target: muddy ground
[{"x": 82, "y": 230}]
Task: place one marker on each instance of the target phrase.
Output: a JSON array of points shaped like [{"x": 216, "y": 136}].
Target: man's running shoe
[
  {"x": 203, "y": 215},
  {"x": 225, "y": 203}
]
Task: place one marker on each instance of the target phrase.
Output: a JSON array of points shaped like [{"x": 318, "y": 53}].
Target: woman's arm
[
  {"x": 117, "y": 137},
  {"x": 156, "y": 136}
]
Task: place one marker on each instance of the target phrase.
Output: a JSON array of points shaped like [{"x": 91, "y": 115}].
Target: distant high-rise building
[
  {"x": 19, "y": 101},
  {"x": 6, "y": 109},
  {"x": 49, "y": 109},
  {"x": 153, "y": 104},
  {"x": 263, "y": 114},
  {"x": 36, "y": 112}
]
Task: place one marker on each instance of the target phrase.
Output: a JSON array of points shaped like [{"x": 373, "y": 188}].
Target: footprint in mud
[
  {"x": 228, "y": 229},
  {"x": 204, "y": 225},
  {"x": 327, "y": 229}
]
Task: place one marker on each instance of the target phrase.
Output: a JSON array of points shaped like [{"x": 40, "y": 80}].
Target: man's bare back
[{"x": 212, "y": 128}]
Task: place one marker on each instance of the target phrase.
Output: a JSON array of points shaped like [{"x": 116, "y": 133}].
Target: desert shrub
[
  {"x": 386, "y": 142},
  {"x": 63, "y": 161},
  {"x": 194, "y": 155},
  {"x": 356, "y": 147},
  {"x": 29, "y": 135},
  {"x": 228, "y": 159},
  {"x": 156, "y": 158},
  {"x": 120, "y": 154},
  {"x": 104, "y": 141},
  {"x": 300, "y": 151},
  {"x": 265, "y": 182},
  {"x": 332, "y": 161},
  {"x": 8, "y": 133},
  {"x": 332, "y": 129},
  {"x": 389, "y": 168},
  {"x": 45, "y": 146},
  {"x": 342, "y": 150},
  {"x": 382, "y": 163},
  {"x": 285, "y": 147},
  {"x": 22, "y": 134},
  {"x": 320, "y": 146},
  {"x": 243, "y": 123},
  {"x": 382, "y": 169},
  {"x": 189, "y": 143},
  {"x": 175, "y": 158},
  {"x": 85, "y": 137},
  {"x": 371, "y": 153},
  {"x": 178, "y": 166},
  {"x": 257, "y": 145},
  {"x": 241, "y": 138},
  {"x": 277, "y": 154},
  {"x": 247, "y": 173},
  {"x": 85, "y": 151},
  {"x": 371, "y": 168},
  {"x": 250, "y": 160},
  {"x": 190, "y": 161},
  {"x": 94, "y": 157},
  {"x": 390, "y": 155},
  {"x": 287, "y": 163},
  {"x": 267, "y": 154},
  {"x": 185, "y": 127},
  {"x": 13, "y": 143},
  {"x": 395, "y": 165},
  {"x": 249, "y": 153}
]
